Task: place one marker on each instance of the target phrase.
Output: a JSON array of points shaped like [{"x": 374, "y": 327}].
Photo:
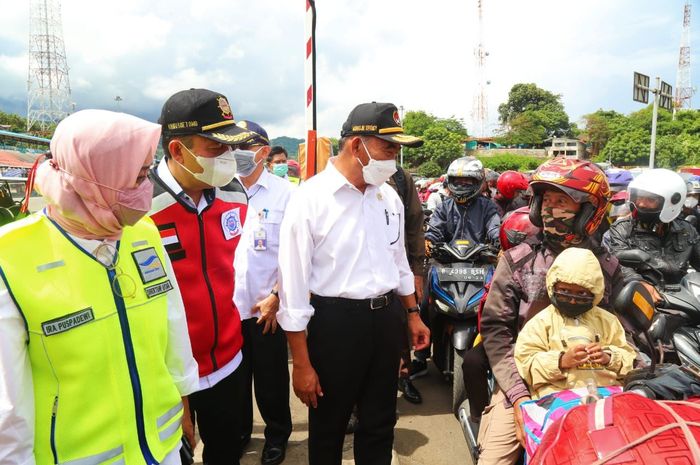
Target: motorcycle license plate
[{"x": 462, "y": 274}]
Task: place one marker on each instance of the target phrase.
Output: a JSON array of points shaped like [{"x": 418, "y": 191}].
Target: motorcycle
[
  {"x": 677, "y": 316},
  {"x": 456, "y": 285}
]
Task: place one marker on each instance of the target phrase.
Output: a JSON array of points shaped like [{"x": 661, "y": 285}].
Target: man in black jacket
[{"x": 656, "y": 200}]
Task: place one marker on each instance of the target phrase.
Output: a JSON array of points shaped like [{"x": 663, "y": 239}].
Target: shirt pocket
[
  {"x": 271, "y": 222},
  {"x": 392, "y": 229}
]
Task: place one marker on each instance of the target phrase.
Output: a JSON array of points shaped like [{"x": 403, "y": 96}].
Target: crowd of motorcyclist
[{"x": 533, "y": 218}]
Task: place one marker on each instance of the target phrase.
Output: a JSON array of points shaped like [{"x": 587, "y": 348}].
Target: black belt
[{"x": 375, "y": 303}]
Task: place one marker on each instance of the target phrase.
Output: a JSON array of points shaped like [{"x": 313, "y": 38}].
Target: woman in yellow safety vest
[{"x": 95, "y": 360}]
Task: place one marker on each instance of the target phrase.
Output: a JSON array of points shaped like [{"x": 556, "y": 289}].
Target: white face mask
[
  {"x": 218, "y": 171},
  {"x": 691, "y": 202},
  {"x": 376, "y": 172}
]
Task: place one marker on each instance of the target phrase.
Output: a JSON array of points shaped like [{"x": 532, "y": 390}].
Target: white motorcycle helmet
[
  {"x": 657, "y": 195},
  {"x": 465, "y": 177}
]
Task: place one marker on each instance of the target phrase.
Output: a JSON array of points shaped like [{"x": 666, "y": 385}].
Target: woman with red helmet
[
  {"x": 569, "y": 201},
  {"x": 512, "y": 186}
]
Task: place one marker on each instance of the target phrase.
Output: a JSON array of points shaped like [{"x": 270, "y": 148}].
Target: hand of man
[
  {"x": 574, "y": 357},
  {"x": 428, "y": 248},
  {"x": 596, "y": 354},
  {"x": 187, "y": 424},
  {"x": 418, "y": 280},
  {"x": 519, "y": 423},
  {"x": 268, "y": 312},
  {"x": 420, "y": 334},
  {"x": 306, "y": 385}
]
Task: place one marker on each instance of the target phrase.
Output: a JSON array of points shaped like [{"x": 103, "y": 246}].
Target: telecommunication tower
[
  {"x": 684, "y": 89},
  {"x": 480, "y": 114},
  {"x": 48, "y": 88}
]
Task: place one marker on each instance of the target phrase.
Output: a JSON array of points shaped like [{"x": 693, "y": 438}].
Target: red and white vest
[{"x": 201, "y": 247}]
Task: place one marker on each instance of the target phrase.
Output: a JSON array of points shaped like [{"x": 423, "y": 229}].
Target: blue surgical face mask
[
  {"x": 280, "y": 169},
  {"x": 245, "y": 161}
]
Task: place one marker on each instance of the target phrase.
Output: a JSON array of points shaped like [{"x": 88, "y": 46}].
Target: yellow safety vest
[{"x": 102, "y": 390}]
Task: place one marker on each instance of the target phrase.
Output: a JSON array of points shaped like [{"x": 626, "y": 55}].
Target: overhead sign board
[{"x": 640, "y": 91}]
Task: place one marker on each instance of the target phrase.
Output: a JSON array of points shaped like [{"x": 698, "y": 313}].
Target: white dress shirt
[
  {"x": 339, "y": 242},
  {"x": 16, "y": 385},
  {"x": 165, "y": 175},
  {"x": 256, "y": 256}
]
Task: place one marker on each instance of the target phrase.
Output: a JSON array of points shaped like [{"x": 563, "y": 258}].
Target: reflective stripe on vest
[{"x": 102, "y": 389}]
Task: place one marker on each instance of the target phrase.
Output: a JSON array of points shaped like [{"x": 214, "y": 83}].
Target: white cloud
[
  {"x": 160, "y": 88},
  {"x": 414, "y": 53}
]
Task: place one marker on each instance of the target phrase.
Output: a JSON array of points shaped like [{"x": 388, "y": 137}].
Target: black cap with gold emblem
[
  {"x": 204, "y": 113},
  {"x": 378, "y": 120}
]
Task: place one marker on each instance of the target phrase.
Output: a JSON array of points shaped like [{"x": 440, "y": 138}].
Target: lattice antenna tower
[
  {"x": 480, "y": 110},
  {"x": 48, "y": 87},
  {"x": 684, "y": 89}
]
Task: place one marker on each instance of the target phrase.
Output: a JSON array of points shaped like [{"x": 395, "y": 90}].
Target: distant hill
[{"x": 289, "y": 143}]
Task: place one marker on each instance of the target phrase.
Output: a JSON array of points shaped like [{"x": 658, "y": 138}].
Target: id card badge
[{"x": 260, "y": 240}]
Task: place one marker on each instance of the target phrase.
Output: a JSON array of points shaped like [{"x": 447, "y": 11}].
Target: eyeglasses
[{"x": 123, "y": 285}]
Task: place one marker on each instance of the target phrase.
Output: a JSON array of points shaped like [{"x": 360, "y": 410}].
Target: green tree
[
  {"x": 16, "y": 122},
  {"x": 628, "y": 148},
  {"x": 526, "y": 97},
  {"x": 444, "y": 139},
  {"x": 531, "y": 115},
  {"x": 430, "y": 169},
  {"x": 600, "y": 127}
]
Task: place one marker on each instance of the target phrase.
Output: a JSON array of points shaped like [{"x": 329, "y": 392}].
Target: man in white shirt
[
  {"x": 342, "y": 245},
  {"x": 256, "y": 297}
]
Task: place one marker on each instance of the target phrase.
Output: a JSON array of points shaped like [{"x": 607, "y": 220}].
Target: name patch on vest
[
  {"x": 231, "y": 223},
  {"x": 149, "y": 265},
  {"x": 64, "y": 323},
  {"x": 158, "y": 289}
]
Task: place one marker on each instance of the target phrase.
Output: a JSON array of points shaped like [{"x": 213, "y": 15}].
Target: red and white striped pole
[{"x": 310, "y": 85}]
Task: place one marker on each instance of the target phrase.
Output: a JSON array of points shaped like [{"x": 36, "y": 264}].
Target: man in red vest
[{"x": 199, "y": 208}]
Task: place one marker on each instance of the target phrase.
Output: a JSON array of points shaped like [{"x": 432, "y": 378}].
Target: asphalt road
[{"x": 426, "y": 434}]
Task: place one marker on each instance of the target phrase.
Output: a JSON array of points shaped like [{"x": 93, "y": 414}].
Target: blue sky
[{"x": 414, "y": 53}]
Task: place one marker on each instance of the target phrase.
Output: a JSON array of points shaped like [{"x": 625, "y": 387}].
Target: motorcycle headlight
[{"x": 443, "y": 307}]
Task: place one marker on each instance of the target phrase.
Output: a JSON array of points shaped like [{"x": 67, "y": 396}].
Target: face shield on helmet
[
  {"x": 465, "y": 176},
  {"x": 657, "y": 195},
  {"x": 619, "y": 206}
]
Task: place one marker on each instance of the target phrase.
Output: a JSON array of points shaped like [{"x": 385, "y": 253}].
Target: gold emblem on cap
[
  {"x": 234, "y": 138},
  {"x": 224, "y": 107}
]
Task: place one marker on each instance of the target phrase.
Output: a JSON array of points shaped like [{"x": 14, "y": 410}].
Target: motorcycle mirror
[
  {"x": 636, "y": 304},
  {"x": 692, "y": 219},
  {"x": 633, "y": 258}
]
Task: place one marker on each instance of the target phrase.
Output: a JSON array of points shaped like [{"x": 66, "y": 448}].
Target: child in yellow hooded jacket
[{"x": 573, "y": 340}]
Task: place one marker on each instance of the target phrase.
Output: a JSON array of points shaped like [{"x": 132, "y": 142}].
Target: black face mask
[{"x": 571, "y": 305}]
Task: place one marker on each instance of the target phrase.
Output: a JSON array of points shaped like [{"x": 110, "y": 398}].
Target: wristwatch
[
  {"x": 275, "y": 293},
  {"x": 414, "y": 309}
]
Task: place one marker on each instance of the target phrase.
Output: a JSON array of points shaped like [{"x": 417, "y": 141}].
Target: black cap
[
  {"x": 379, "y": 120},
  {"x": 203, "y": 113}
]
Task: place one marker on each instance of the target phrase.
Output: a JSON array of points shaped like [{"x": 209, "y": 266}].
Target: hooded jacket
[
  {"x": 518, "y": 292},
  {"x": 549, "y": 333}
]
